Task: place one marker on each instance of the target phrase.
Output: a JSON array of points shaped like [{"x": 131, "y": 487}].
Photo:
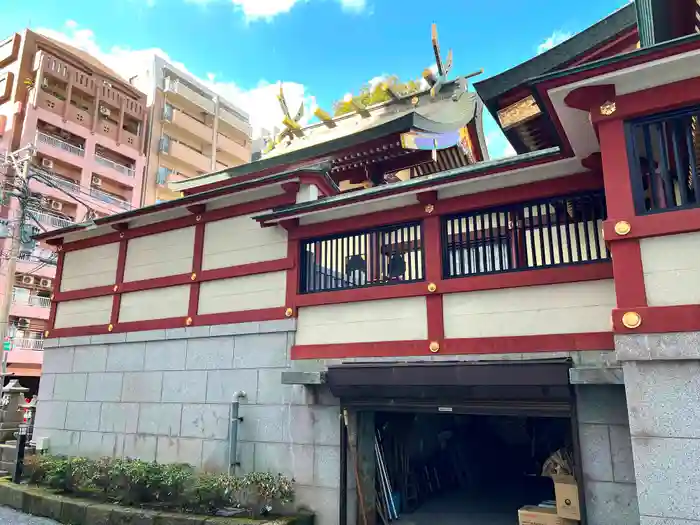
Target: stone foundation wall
[{"x": 166, "y": 395}]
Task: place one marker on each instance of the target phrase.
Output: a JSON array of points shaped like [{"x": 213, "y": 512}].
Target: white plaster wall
[
  {"x": 159, "y": 255},
  {"x": 672, "y": 269},
  {"x": 91, "y": 267},
  {"x": 251, "y": 292},
  {"x": 160, "y": 303},
  {"x": 532, "y": 310},
  {"x": 84, "y": 312},
  {"x": 362, "y": 322},
  {"x": 240, "y": 240}
]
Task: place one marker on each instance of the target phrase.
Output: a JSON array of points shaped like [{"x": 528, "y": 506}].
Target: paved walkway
[{"x": 12, "y": 517}]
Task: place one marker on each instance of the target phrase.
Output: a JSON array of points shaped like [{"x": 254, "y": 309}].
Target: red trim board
[
  {"x": 660, "y": 319},
  {"x": 670, "y": 222},
  {"x": 599, "y": 341}
]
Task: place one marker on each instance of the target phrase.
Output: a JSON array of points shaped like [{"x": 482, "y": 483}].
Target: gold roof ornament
[
  {"x": 443, "y": 68},
  {"x": 292, "y": 127}
]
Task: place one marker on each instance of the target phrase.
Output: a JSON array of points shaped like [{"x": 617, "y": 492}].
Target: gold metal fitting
[
  {"x": 193, "y": 277},
  {"x": 188, "y": 321},
  {"x": 52, "y": 296},
  {"x": 631, "y": 320},
  {"x": 434, "y": 347},
  {"x": 59, "y": 248},
  {"x": 289, "y": 312},
  {"x": 414, "y": 101},
  {"x": 46, "y": 333},
  {"x": 198, "y": 218},
  {"x": 121, "y": 235},
  {"x": 116, "y": 287},
  {"x": 110, "y": 328},
  {"x": 429, "y": 208},
  {"x": 432, "y": 287},
  {"x": 622, "y": 227},
  {"x": 608, "y": 108}
]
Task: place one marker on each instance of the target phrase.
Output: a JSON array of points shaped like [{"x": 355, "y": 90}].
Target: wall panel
[
  {"x": 672, "y": 269},
  {"x": 160, "y": 303},
  {"x": 252, "y": 292},
  {"x": 84, "y": 312},
  {"x": 90, "y": 267},
  {"x": 160, "y": 255}
]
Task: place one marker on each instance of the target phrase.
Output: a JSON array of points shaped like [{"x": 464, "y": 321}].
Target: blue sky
[{"x": 319, "y": 48}]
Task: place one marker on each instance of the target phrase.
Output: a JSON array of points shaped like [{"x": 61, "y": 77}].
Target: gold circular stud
[
  {"x": 289, "y": 312},
  {"x": 116, "y": 287},
  {"x": 429, "y": 208},
  {"x": 631, "y": 319},
  {"x": 198, "y": 218},
  {"x": 188, "y": 321},
  {"x": 193, "y": 277},
  {"x": 414, "y": 101},
  {"x": 110, "y": 328},
  {"x": 52, "y": 296},
  {"x": 623, "y": 227},
  {"x": 608, "y": 108},
  {"x": 46, "y": 333},
  {"x": 59, "y": 248},
  {"x": 121, "y": 235},
  {"x": 432, "y": 287},
  {"x": 434, "y": 347}
]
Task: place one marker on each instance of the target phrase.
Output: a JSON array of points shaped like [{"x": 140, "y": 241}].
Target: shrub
[{"x": 135, "y": 482}]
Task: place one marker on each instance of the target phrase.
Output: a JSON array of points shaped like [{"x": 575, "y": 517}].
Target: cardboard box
[
  {"x": 541, "y": 516},
  {"x": 566, "y": 493}
]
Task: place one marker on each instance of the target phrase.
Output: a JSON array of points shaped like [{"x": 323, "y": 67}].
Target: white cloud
[
  {"x": 498, "y": 146},
  {"x": 553, "y": 40},
  {"x": 267, "y": 9},
  {"x": 260, "y": 102}
]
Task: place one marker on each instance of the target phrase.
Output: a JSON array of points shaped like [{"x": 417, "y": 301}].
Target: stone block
[
  {"x": 603, "y": 404},
  {"x": 70, "y": 387},
  {"x": 179, "y": 450},
  {"x": 73, "y": 511},
  {"x": 58, "y": 361},
  {"x": 52, "y": 342},
  {"x": 100, "y": 444},
  {"x": 82, "y": 415},
  {"x": 166, "y": 355},
  {"x": 39, "y": 503},
  {"x": 126, "y": 357},
  {"x": 327, "y": 467},
  {"x": 187, "y": 333},
  {"x": 621, "y": 450},
  {"x": 169, "y": 518},
  {"x": 145, "y": 335},
  {"x": 104, "y": 386},
  {"x": 51, "y": 414},
  {"x": 671, "y": 346},
  {"x": 265, "y": 423},
  {"x": 235, "y": 329},
  {"x": 107, "y": 339},
  {"x": 211, "y": 353},
  {"x": 653, "y": 520},
  {"x": 11, "y": 495},
  {"x": 142, "y": 386},
  {"x": 140, "y": 447},
  {"x": 215, "y": 455},
  {"x": 66, "y": 442},
  {"x": 261, "y": 351},
  {"x": 119, "y": 417},
  {"x": 82, "y": 340},
  {"x": 611, "y": 503},
  {"x": 596, "y": 460},
  {"x": 184, "y": 387},
  {"x": 326, "y": 427},
  {"x": 98, "y": 515},
  {"x": 131, "y": 516},
  {"x": 271, "y": 391},
  {"x": 245, "y": 454},
  {"x": 323, "y": 501},
  {"x": 208, "y": 421},
  {"x": 596, "y": 376},
  {"x": 664, "y": 398},
  {"x": 278, "y": 325},
  {"x": 46, "y": 386},
  {"x": 160, "y": 418},
  {"x": 222, "y": 384},
  {"x": 90, "y": 358},
  {"x": 595, "y": 359},
  {"x": 293, "y": 461},
  {"x": 667, "y": 476}
]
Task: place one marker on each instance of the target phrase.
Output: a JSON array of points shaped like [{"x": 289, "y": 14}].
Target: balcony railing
[
  {"x": 50, "y": 220},
  {"x": 60, "y": 144},
  {"x": 124, "y": 170},
  {"x": 546, "y": 233},
  {"x": 664, "y": 155},
  {"x": 386, "y": 255},
  {"x": 109, "y": 199},
  {"x": 525, "y": 236},
  {"x": 30, "y": 300},
  {"x": 24, "y": 343}
]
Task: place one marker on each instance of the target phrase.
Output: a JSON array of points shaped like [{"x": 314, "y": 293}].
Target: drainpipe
[{"x": 233, "y": 441}]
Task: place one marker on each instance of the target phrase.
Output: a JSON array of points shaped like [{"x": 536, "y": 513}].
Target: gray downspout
[{"x": 233, "y": 440}]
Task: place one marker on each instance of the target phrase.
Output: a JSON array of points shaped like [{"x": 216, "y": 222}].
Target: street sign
[{"x": 7, "y": 345}]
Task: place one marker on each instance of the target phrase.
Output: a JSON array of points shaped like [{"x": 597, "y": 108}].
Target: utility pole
[{"x": 18, "y": 162}]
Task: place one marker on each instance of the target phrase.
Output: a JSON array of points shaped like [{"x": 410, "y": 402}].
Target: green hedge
[{"x": 164, "y": 486}]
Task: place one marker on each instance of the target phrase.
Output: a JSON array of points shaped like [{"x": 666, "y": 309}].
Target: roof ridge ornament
[
  {"x": 443, "y": 68},
  {"x": 292, "y": 127}
]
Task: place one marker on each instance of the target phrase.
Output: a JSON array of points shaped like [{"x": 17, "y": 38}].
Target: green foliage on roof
[{"x": 368, "y": 97}]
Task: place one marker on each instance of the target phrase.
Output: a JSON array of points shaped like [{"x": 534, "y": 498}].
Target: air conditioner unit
[
  {"x": 56, "y": 205},
  {"x": 104, "y": 110},
  {"x": 23, "y": 322},
  {"x": 45, "y": 283},
  {"x": 47, "y": 163},
  {"x": 27, "y": 279},
  {"x": 96, "y": 181}
]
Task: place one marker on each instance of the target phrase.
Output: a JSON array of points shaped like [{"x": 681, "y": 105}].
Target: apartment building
[
  {"x": 191, "y": 129},
  {"x": 88, "y": 128}
]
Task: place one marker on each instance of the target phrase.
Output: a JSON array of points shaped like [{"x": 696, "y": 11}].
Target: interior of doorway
[{"x": 456, "y": 469}]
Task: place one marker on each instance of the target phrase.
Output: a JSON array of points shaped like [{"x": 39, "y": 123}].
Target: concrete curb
[{"x": 71, "y": 511}]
